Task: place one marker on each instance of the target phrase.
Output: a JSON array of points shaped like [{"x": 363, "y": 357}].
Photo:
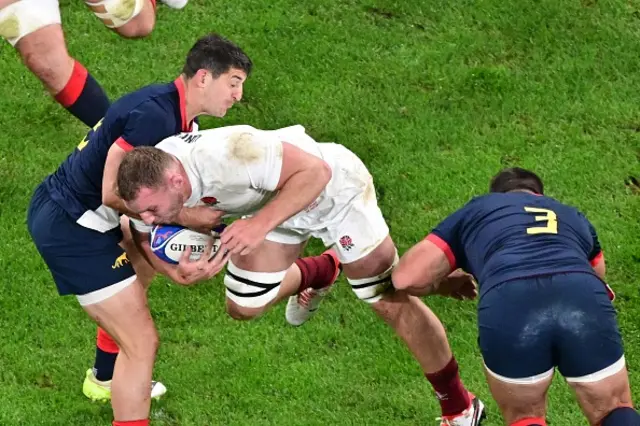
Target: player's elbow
[
  {"x": 322, "y": 172},
  {"x": 408, "y": 278},
  {"x": 110, "y": 200},
  {"x": 403, "y": 279}
]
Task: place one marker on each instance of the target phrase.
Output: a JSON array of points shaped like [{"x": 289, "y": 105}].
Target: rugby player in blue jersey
[
  {"x": 74, "y": 219},
  {"x": 543, "y": 304}
]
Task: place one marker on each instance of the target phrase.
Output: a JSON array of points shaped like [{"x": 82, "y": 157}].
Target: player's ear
[
  {"x": 176, "y": 181},
  {"x": 200, "y": 77}
]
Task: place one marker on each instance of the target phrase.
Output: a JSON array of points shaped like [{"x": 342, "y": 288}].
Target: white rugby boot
[
  {"x": 175, "y": 4},
  {"x": 303, "y": 305},
  {"x": 472, "y": 416},
  {"x": 97, "y": 390}
]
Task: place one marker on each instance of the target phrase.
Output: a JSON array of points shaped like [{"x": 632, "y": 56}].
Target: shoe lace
[{"x": 305, "y": 296}]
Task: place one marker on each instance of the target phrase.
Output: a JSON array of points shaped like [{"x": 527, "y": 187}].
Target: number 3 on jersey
[
  {"x": 547, "y": 216},
  {"x": 85, "y": 140}
]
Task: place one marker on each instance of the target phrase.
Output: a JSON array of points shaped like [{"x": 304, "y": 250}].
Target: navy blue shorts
[
  {"x": 529, "y": 326},
  {"x": 81, "y": 260}
]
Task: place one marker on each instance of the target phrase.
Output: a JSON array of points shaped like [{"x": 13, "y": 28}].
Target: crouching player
[
  {"x": 543, "y": 302},
  {"x": 290, "y": 188}
]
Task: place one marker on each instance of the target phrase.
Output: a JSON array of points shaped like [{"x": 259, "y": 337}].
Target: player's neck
[
  {"x": 193, "y": 106},
  {"x": 525, "y": 191}
]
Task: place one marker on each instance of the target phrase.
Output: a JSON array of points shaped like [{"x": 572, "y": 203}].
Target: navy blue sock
[
  {"x": 83, "y": 97},
  {"x": 103, "y": 367}
]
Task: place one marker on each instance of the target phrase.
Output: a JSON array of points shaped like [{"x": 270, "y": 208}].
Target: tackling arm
[
  {"x": 422, "y": 269},
  {"x": 110, "y": 196}
]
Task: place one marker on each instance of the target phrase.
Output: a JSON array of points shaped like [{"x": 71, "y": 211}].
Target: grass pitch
[{"x": 434, "y": 96}]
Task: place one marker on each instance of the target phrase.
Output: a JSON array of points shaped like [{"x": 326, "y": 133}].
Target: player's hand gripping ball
[{"x": 168, "y": 242}]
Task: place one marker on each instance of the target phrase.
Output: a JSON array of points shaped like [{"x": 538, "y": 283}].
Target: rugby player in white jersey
[{"x": 287, "y": 188}]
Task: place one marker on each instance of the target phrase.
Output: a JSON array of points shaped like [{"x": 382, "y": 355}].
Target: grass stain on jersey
[{"x": 242, "y": 148}]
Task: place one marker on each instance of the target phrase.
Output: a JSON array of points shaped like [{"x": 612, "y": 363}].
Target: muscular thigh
[
  {"x": 126, "y": 317},
  {"x": 270, "y": 256}
]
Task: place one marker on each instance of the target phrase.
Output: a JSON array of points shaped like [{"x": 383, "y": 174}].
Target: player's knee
[
  {"x": 621, "y": 416},
  {"x": 120, "y": 15},
  {"x": 248, "y": 292},
  {"x": 240, "y": 313},
  {"x": 151, "y": 342},
  {"x": 373, "y": 289},
  {"x": 140, "y": 342},
  {"x": 137, "y": 28},
  {"x": 400, "y": 279}
]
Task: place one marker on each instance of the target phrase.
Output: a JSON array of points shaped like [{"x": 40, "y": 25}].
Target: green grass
[{"x": 434, "y": 96}]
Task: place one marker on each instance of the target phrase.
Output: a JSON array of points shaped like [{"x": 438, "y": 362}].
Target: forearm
[
  {"x": 117, "y": 204},
  {"x": 422, "y": 289},
  {"x": 141, "y": 241},
  {"x": 421, "y": 270},
  {"x": 295, "y": 195},
  {"x": 200, "y": 217}
]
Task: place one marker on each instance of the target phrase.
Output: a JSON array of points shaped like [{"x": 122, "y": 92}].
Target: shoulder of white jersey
[
  {"x": 295, "y": 130},
  {"x": 176, "y": 144}
]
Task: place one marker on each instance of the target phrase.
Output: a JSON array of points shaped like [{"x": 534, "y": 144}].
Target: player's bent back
[{"x": 543, "y": 300}]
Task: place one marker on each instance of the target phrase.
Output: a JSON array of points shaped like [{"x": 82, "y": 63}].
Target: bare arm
[
  {"x": 200, "y": 218},
  {"x": 110, "y": 197},
  {"x": 302, "y": 179},
  {"x": 421, "y": 269}
]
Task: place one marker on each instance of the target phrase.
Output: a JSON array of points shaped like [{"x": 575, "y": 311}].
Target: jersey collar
[{"x": 186, "y": 127}]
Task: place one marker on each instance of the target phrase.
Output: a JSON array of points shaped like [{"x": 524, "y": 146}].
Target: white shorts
[
  {"x": 362, "y": 230},
  {"x": 27, "y": 16},
  {"x": 347, "y": 217}
]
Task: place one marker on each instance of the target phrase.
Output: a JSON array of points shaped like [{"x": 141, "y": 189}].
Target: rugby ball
[{"x": 168, "y": 242}]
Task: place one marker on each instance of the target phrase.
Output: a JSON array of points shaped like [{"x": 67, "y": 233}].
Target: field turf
[{"x": 434, "y": 96}]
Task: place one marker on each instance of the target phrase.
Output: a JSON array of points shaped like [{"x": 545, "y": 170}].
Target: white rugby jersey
[{"x": 236, "y": 169}]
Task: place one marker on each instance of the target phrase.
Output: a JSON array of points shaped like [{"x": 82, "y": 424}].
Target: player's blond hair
[{"x": 144, "y": 166}]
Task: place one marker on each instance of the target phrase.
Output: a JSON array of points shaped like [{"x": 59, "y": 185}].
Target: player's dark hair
[
  {"x": 144, "y": 166},
  {"x": 216, "y": 55},
  {"x": 514, "y": 179}
]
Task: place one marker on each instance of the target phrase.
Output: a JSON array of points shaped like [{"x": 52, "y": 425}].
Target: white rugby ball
[{"x": 168, "y": 242}]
